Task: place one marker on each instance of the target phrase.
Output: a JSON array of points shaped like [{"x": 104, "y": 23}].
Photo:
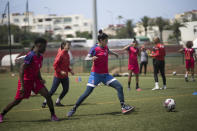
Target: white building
[
  {"x": 57, "y": 25},
  {"x": 152, "y": 32},
  {"x": 189, "y": 32}
]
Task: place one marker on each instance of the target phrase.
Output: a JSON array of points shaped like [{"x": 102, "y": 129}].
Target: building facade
[{"x": 57, "y": 25}]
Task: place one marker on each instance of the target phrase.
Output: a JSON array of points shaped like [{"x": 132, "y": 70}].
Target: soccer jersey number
[{"x": 187, "y": 55}]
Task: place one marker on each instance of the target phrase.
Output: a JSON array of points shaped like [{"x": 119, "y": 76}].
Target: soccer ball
[
  {"x": 169, "y": 104},
  {"x": 174, "y": 73}
]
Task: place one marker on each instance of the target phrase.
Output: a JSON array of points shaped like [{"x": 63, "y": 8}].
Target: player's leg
[
  {"x": 156, "y": 70},
  {"x": 8, "y": 108},
  {"x": 129, "y": 79},
  {"x": 87, "y": 92},
  {"x": 44, "y": 92},
  {"x": 162, "y": 71},
  {"x": 145, "y": 67},
  {"x": 141, "y": 65},
  {"x": 118, "y": 87},
  {"x": 192, "y": 69},
  {"x": 65, "y": 86},
  {"x": 137, "y": 82},
  {"x": 93, "y": 81},
  {"x": 56, "y": 82}
]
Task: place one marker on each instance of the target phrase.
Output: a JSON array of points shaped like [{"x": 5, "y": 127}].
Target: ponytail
[{"x": 102, "y": 36}]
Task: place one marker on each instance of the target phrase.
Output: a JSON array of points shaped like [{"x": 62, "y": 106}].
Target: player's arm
[
  {"x": 126, "y": 47},
  {"x": 57, "y": 63},
  {"x": 113, "y": 53},
  {"x": 21, "y": 76},
  {"x": 181, "y": 50},
  {"x": 91, "y": 55}
]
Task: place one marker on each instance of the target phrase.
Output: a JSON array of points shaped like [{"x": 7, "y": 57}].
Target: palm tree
[
  {"x": 175, "y": 27},
  {"x": 145, "y": 23},
  {"x": 161, "y": 23},
  {"x": 119, "y": 19}
]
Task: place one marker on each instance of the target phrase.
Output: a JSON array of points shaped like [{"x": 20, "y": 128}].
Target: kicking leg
[
  {"x": 8, "y": 108},
  {"x": 87, "y": 92}
]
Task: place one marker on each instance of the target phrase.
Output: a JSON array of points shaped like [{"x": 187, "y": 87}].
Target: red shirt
[
  {"x": 189, "y": 53},
  {"x": 34, "y": 63},
  {"x": 133, "y": 53},
  {"x": 100, "y": 65},
  {"x": 61, "y": 63},
  {"x": 160, "y": 52}
]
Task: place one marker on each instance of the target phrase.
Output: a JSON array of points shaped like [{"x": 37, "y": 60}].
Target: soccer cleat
[
  {"x": 59, "y": 104},
  {"x": 1, "y": 118},
  {"x": 54, "y": 118},
  {"x": 164, "y": 87},
  {"x": 71, "y": 112},
  {"x": 138, "y": 89},
  {"x": 44, "y": 105},
  {"x": 127, "y": 108},
  {"x": 186, "y": 79}
]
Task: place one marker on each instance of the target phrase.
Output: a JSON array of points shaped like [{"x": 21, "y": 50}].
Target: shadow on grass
[{"x": 42, "y": 121}]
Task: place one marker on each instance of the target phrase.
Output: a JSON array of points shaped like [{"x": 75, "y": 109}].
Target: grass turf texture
[{"x": 101, "y": 110}]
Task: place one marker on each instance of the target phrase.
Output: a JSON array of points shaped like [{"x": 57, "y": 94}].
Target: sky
[{"x": 107, "y": 10}]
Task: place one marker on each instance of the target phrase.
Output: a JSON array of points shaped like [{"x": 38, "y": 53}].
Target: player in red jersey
[
  {"x": 133, "y": 66},
  {"x": 62, "y": 67},
  {"x": 30, "y": 79},
  {"x": 159, "y": 63},
  {"x": 190, "y": 56}
]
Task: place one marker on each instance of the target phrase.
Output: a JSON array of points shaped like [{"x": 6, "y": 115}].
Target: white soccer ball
[
  {"x": 169, "y": 104},
  {"x": 174, "y": 73}
]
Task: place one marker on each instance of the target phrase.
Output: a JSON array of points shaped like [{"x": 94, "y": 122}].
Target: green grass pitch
[{"x": 101, "y": 110}]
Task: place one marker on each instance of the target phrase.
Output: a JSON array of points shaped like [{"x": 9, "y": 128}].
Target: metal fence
[{"x": 173, "y": 62}]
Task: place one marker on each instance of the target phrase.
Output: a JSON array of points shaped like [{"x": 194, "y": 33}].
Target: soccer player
[
  {"x": 30, "y": 79},
  {"x": 62, "y": 67},
  {"x": 143, "y": 59},
  {"x": 159, "y": 63},
  {"x": 133, "y": 66},
  {"x": 189, "y": 53},
  {"x": 99, "y": 73}
]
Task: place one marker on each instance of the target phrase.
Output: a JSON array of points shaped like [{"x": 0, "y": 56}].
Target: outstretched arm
[{"x": 113, "y": 53}]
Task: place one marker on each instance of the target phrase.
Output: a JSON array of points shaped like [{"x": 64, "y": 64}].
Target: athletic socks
[{"x": 58, "y": 100}]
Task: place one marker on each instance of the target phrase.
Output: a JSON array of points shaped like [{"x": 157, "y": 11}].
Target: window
[
  {"x": 25, "y": 19},
  {"x": 67, "y": 20},
  {"x": 85, "y": 24},
  {"x": 48, "y": 19},
  {"x": 16, "y": 20},
  {"x": 67, "y": 28},
  {"x": 57, "y": 21},
  {"x": 40, "y": 20}
]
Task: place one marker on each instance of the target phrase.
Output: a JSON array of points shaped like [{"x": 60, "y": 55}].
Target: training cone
[
  {"x": 79, "y": 79},
  {"x": 195, "y": 93}
]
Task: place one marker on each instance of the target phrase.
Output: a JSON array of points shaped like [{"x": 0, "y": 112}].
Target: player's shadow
[
  {"x": 83, "y": 104},
  {"x": 135, "y": 112},
  {"x": 43, "y": 120}
]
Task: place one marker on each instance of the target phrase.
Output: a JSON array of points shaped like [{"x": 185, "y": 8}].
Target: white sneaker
[{"x": 156, "y": 88}]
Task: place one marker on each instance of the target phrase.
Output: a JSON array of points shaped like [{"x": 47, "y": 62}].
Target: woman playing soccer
[
  {"x": 189, "y": 53},
  {"x": 133, "y": 63},
  {"x": 30, "y": 79},
  {"x": 62, "y": 67},
  {"x": 99, "y": 73}
]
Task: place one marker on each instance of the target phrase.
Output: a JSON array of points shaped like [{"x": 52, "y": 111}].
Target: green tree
[
  {"x": 176, "y": 31},
  {"x": 161, "y": 23},
  {"x": 84, "y": 34},
  {"x": 126, "y": 31},
  {"x": 145, "y": 23}
]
